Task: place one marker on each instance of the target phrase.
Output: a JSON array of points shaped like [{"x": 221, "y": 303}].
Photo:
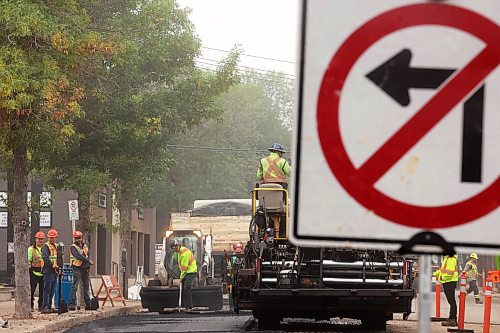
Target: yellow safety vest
[
  {"x": 35, "y": 259},
  {"x": 273, "y": 169},
  {"x": 84, "y": 252},
  {"x": 471, "y": 273},
  {"x": 449, "y": 270},
  {"x": 187, "y": 262}
]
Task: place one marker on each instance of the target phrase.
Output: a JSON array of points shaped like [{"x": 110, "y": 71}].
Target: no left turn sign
[{"x": 399, "y": 123}]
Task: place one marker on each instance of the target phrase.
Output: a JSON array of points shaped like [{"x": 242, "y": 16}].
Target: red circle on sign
[{"x": 355, "y": 182}]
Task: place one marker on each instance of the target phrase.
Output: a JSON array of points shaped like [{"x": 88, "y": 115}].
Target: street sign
[
  {"x": 73, "y": 210},
  {"x": 398, "y": 123}
]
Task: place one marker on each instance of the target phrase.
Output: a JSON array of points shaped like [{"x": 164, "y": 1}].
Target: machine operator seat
[{"x": 272, "y": 201}]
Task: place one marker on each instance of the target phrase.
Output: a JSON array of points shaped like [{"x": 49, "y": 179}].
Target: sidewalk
[{"x": 42, "y": 323}]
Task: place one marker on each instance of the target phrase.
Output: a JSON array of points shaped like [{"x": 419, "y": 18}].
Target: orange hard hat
[
  {"x": 77, "y": 234},
  {"x": 52, "y": 233},
  {"x": 40, "y": 235},
  {"x": 238, "y": 247}
]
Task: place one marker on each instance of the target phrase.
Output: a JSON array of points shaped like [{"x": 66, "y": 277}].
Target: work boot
[
  {"x": 478, "y": 301},
  {"x": 72, "y": 308},
  {"x": 450, "y": 322},
  {"x": 46, "y": 310}
]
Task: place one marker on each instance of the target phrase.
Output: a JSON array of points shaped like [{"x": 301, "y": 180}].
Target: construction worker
[
  {"x": 448, "y": 277},
  {"x": 472, "y": 273},
  {"x": 274, "y": 168},
  {"x": 235, "y": 262},
  {"x": 50, "y": 270},
  {"x": 188, "y": 268},
  {"x": 80, "y": 262},
  {"x": 36, "y": 264}
]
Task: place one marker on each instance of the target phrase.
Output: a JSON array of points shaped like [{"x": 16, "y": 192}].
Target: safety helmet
[
  {"x": 474, "y": 255},
  {"x": 52, "y": 233},
  {"x": 77, "y": 234},
  {"x": 40, "y": 235},
  {"x": 238, "y": 247},
  {"x": 174, "y": 243},
  {"x": 277, "y": 147}
]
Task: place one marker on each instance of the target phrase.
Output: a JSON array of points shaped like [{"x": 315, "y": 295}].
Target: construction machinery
[
  {"x": 163, "y": 291},
  {"x": 277, "y": 279},
  {"x": 209, "y": 230}
]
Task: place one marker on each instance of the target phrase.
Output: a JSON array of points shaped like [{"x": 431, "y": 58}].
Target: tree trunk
[
  {"x": 21, "y": 231},
  {"x": 123, "y": 205}
]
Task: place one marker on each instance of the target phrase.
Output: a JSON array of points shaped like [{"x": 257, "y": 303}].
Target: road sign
[
  {"x": 398, "y": 124},
  {"x": 73, "y": 210}
]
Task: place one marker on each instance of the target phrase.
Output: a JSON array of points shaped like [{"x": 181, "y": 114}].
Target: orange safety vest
[
  {"x": 53, "y": 253},
  {"x": 272, "y": 167},
  {"x": 84, "y": 252}
]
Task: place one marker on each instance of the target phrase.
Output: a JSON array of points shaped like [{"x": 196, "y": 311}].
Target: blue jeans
[
  {"x": 83, "y": 276},
  {"x": 49, "y": 288}
]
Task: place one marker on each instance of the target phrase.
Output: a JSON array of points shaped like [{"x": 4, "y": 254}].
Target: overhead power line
[
  {"x": 258, "y": 79},
  {"x": 220, "y": 149},
  {"x": 249, "y": 55},
  {"x": 241, "y": 66}
]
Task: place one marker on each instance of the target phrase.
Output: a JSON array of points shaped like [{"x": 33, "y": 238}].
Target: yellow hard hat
[{"x": 473, "y": 255}]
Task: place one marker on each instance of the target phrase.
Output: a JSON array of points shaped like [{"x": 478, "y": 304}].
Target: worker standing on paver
[
  {"x": 36, "y": 264},
  {"x": 189, "y": 270},
  {"x": 472, "y": 273},
  {"x": 50, "y": 270}
]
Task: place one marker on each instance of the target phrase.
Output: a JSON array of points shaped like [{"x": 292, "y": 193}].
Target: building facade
[{"x": 104, "y": 243}]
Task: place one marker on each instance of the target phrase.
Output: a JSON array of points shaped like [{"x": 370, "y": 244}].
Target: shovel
[{"x": 180, "y": 296}]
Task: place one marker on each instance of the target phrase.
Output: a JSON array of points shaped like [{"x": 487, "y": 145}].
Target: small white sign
[
  {"x": 73, "y": 210},
  {"x": 45, "y": 219},
  {"x": 45, "y": 199},
  {"x": 10, "y": 247},
  {"x": 3, "y": 199},
  {"x": 4, "y": 219}
]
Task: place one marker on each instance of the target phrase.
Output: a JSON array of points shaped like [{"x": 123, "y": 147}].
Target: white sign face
[
  {"x": 3, "y": 199},
  {"x": 45, "y": 199},
  {"x": 45, "y": 219},
  {"x": 10, "y": 247},
  {"x": 73, "y": 210},
  {"x": 4, "y": 219},
  {"x": 398, "y": 124}
]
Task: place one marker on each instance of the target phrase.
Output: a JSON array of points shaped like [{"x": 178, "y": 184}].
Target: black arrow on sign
[{"x": 396, "y": 77}]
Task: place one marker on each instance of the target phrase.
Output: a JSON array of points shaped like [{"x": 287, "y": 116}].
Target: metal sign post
[{"x": 425, "y": 294}]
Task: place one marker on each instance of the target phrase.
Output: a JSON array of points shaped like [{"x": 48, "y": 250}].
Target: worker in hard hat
[
  {"x": 189, "y": 270},
  {"x": 80, "y": 261},
  {"x": 472, "y": 274},
  {"x": 36, "y": 264},
  {"x": 274, "y": 168},
  {"x": 235, "y": 262},
  {"x": 50, "y": 270}
]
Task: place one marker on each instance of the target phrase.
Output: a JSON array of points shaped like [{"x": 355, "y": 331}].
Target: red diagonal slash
[
  {"x": 424, "y": 120},
  {"x": 359, "y": 182}
]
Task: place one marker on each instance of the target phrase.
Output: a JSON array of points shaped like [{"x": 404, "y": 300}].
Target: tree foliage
[
  {"x": 45, "y": 51},
  {"x": 254, "y": 116}
]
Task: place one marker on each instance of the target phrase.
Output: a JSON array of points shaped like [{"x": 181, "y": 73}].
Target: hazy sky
[{"x": 263, "y": 28}]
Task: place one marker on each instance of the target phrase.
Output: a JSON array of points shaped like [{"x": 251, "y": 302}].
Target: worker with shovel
[{"x": 188, "y": 268}]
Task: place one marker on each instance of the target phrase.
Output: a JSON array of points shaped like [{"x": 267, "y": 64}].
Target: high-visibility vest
[
  {"x": 449, "y": 270},
  {"x": 35, "y": 259},
  {"x": 471, "y": 273},
  {"x": 272, "y": 169},
  {"x": 83, "y": 251},
  {"x": 52, "y": 253},
  {"x": 187, "y": 262}
]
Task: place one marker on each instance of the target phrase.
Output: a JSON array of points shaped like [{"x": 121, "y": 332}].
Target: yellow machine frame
[{"x": 274, "y": 217}]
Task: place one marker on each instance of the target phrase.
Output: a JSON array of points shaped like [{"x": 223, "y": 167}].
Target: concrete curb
[{"x": 69, "y": 322}]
